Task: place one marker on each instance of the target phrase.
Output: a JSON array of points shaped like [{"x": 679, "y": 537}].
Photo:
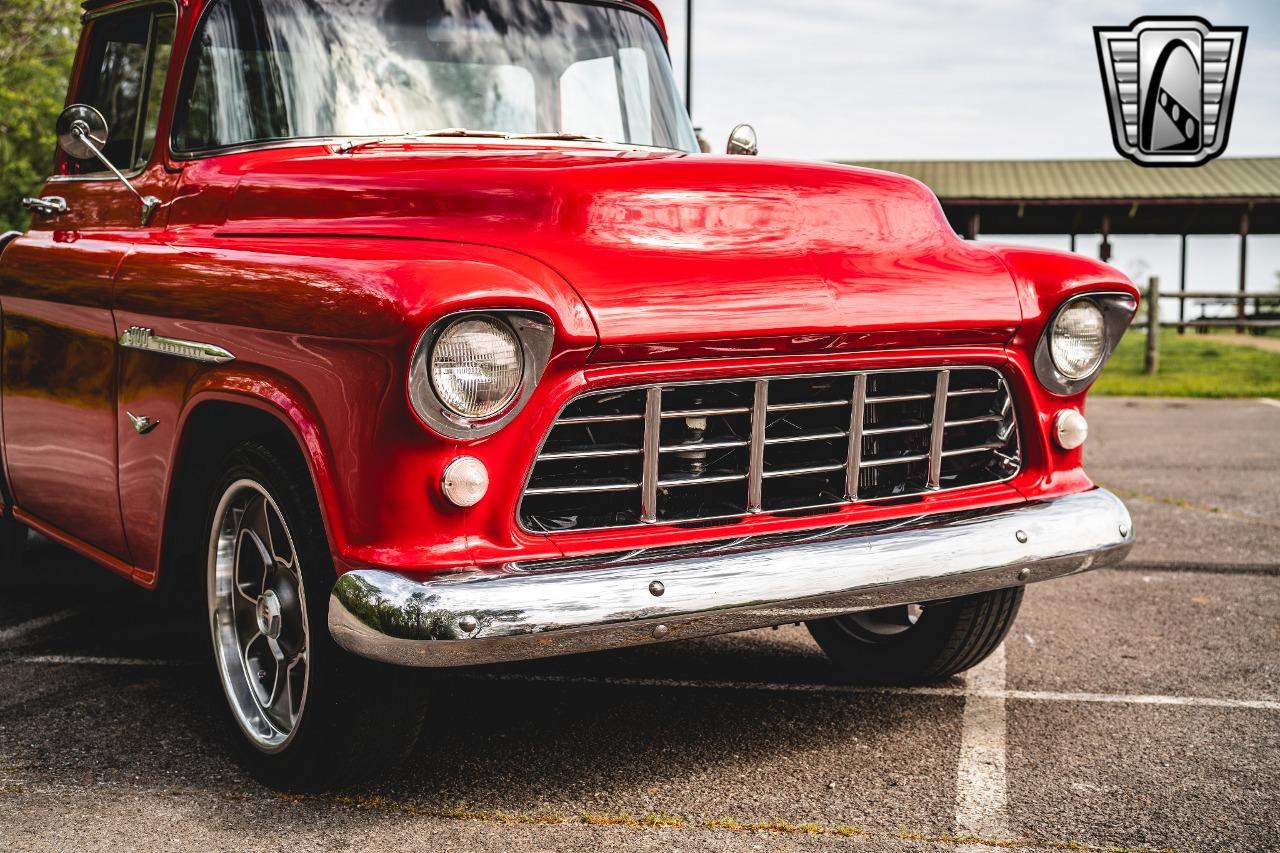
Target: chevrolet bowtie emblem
[{"x": 1171, "y": 85}]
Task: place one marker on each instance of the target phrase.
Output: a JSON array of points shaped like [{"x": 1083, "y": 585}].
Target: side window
[
  {"x": 589, "y": 100},
  {"x": 609, "y": 96},
  {"x": 123, "y": 77}
]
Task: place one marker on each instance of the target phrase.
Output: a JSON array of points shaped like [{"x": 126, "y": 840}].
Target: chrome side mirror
[
  {"x": 743, "y": 141},
  {"x": 82, "y": 134}
]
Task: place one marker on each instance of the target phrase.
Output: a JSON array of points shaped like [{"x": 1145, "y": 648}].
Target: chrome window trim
[
  {"x": 1118, "y": 310},
  {"x": 536, "y": 332},
  {"x": 849, "y": 501},
  {"x": 127, "y": 6}
]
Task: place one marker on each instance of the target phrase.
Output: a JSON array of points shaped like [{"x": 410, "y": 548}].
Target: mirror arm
[{"x": 149, "y": 202}]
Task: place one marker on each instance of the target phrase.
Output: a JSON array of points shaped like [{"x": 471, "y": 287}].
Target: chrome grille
[{"x": 712, "y": 451}]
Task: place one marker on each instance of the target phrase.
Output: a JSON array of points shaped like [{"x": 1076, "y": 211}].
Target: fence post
[{"x": 1152, "y": 361}]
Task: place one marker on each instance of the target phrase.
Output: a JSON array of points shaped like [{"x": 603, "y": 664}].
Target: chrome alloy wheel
[
  {"x": 875, "y": 625},
  {"x": 258, "y": 614}
]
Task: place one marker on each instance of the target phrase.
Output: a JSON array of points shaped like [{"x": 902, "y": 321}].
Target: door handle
[{"x": 52, "y": 205}]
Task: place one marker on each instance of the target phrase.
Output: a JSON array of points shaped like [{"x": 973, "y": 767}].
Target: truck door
[{"x": 59, "y": 375}]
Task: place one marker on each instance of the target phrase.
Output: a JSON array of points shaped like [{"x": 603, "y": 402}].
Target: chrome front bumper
[{"x": 542, "y": 610}]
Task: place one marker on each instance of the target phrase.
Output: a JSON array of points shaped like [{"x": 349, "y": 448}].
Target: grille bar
[
  {"x": 652, "y": 453},
  {"x": 759, "y": 428},
  {"x": 939, "y": 430},
  {"x": 857, "y": 432},
  {"x": 720, "y": 450}
]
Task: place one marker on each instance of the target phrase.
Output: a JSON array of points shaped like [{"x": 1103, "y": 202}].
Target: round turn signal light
[
  {"x": 465, "y": 481},
  {"x": 1070, "y": 429}
]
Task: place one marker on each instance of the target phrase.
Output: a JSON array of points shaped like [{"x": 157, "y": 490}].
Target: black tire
[
  {"x": 946, "y": 638},
  {"x": 13, "y": 545},
  {"x": 356, "y": 719}
]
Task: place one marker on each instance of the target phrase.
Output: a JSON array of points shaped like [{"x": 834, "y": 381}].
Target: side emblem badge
[{"x": 142, "y": 423}]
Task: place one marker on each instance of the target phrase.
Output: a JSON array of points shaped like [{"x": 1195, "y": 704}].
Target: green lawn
[{"x": 1191, "y": 366}]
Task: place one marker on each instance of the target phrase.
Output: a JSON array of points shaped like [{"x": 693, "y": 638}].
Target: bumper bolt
[
  {"x": 657, "y": 588},
  {"x": 1124, "y": 531},
  {"x": 467, "y": 624},
  {"x": 1021, "y": 536},
  {"x": 1024, "y": 574},
  {"x": 660, "y": 631}
]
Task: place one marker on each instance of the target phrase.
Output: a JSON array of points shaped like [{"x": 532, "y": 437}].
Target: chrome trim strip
[
  {"x": 589, "y": 454},
  {"x": 518, "y": 612},
  {"x": 857, "y": 428},
  {"x": 652, "y": 453},
  {"x": 598, "y": 419},
  {"x": 755, "y": 464},
  {"x": 142, "y": 338},
  {"x": 582, "y": 490},
  {"x": 705, "y": 413},
  {"x": 939, "y": 429}
]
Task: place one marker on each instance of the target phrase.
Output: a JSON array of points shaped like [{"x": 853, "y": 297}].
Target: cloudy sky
[
  {"x": 964, "y": 79},
  {"x": 917, "y": 79}
]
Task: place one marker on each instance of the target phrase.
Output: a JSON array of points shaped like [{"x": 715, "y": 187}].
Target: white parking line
[
  {"x": 981, "y": 801},
  {"x": 767, "y": 686},
  {"x": 83, "y": 660},
  {"x": 1267, "y": 401},
  {"x": 15, "y": 632}
]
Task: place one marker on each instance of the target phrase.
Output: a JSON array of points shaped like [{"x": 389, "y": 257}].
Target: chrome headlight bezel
[
  {"x": 535, "y": 333},
  {"x": 1117, "y": 310}
]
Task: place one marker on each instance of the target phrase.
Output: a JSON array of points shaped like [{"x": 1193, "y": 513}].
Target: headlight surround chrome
[
  {"x": 1079, "y": 339},
  {"x": 473, "y": 371}
]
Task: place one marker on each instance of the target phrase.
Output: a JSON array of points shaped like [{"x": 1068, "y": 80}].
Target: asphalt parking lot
[{"x": 1133, "y": 708}]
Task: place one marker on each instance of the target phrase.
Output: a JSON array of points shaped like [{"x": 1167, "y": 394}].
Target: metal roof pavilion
[
  {"x": 1238, "y": 195},
  {"x": 1224, "y": 196}
]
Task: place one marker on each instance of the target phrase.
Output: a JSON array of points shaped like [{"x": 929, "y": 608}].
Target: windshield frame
[{"x": 189, "y": 69}]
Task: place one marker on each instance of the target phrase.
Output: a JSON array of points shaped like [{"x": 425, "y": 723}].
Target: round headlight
[
  {"x": 476, "y": 367},
  {"x": 1078, "y": 341}
]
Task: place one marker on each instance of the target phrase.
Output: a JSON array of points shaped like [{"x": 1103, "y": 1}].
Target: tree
[{"x": 37, "y": 45}]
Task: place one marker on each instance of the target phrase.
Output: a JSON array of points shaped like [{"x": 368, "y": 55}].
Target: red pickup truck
[{"x": 423, "y": 334}]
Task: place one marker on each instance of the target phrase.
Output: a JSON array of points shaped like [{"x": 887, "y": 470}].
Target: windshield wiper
[
  {"x": 461, "y": 132},
  {"x": 560, "y": 136},
  {"x": 357, "y": 144}
]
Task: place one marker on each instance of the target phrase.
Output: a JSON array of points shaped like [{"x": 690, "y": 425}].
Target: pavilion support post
[
  {"x": 1244, "y": 257},
  {"x": 1182, "y": 282},
  {"x": 1104, "y": 251},
  {"x": 975, "y": 225},
  {"x": 1151, "y": 362},
  {"x": 688, "y": 57},
  {"x": 1073, "y": 242}
]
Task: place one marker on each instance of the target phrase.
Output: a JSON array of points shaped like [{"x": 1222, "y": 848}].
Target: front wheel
[
  {"x": 918, "y": 643},
  {"x": 308, "y": 714},
  {"x": 13, "y": 545}
]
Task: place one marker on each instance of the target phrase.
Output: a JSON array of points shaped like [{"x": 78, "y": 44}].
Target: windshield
[{"x": 265, "y": 70}]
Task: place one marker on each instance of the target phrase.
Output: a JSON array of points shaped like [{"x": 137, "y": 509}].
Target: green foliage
[
  {"x": 1192, "y": 366},
  {"x": 37, "y": 45}
]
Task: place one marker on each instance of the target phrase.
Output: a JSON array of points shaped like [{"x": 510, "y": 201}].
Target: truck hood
[{"x": 674, "y": 255}]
